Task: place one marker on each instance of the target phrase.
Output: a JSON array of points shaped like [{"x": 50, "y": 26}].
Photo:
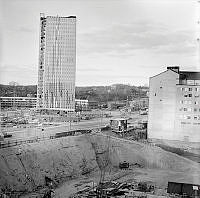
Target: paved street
[
  {"x": 37, "y": 132},
  {"x": 83, "y": 124}
]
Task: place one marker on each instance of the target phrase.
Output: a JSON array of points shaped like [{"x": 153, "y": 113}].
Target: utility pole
[
  {"x": 101, "y": 116},
  {"x": 1, "y": 133},
  {"x": 100, "y": 121}
]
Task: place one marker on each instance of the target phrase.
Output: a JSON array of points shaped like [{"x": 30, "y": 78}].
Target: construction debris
[{"x": 114, "y": 189}]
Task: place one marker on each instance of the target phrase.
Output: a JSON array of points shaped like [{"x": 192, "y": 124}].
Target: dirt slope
[
  {"x": 146, "y": 155},
  {"x": 23, "y": 168}
]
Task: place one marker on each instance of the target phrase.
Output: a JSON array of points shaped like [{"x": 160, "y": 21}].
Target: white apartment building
[
  {"x": 174, "y": 105},
  {"x": 18, "y": 102},
  {"x": 81, "y": 105},
  {"x": 57, "y": 63}
]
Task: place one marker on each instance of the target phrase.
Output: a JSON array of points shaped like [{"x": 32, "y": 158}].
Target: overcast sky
[{"x": 118, "y": 41}]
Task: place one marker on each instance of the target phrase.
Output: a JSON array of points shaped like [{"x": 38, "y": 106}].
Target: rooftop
[
  {"x": 63, "y": 16},
  {"x": 183, "y": 75},
  {"x": 118, "y": 119},
  {"x": 189, "y": 75}
]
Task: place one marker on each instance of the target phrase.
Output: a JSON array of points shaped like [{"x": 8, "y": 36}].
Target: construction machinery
[{"x": 124, "y": 165}]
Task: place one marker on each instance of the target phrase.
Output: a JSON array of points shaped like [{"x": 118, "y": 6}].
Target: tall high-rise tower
[{"x": 57, "y": 63}]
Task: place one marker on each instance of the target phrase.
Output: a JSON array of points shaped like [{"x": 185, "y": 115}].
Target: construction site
[
  {"x": 79, "y": 131},
  {"x": 104, "y": 156}
]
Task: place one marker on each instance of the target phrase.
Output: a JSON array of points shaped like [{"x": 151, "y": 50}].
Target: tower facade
[{"x": 57, "y": 63}]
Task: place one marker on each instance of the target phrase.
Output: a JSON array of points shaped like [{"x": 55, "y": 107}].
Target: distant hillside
[
  {"x": 20, "y": 90},
  {"x": 95, "y": 93},
  {"x": 116, "y": 92}
]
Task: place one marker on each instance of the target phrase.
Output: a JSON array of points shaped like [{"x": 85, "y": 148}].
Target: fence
[
  {"x": 16, "y": 142},
  {"x": 11, "y": 143}
]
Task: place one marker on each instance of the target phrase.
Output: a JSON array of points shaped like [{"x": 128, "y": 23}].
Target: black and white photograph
[{"x": 99, "y": 99}]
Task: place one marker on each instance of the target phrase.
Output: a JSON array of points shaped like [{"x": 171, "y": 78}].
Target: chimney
[{"x": 174, "y": 68}]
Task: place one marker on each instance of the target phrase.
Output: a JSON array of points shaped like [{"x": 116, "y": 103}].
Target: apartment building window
[
  {"x": 195, "y": 109},
  {"x": 182, "y": 89},
  {"x": 185, "y": 122},
  {"x": 197, "y": 82},
  {"x": 196, "y": 89},
  {"x": 190, "y": 89},
  {"x": 181, "y": 101},
  {"x": 196, "y": 102},
  {"x": 185, "y": 117},
  {"x": 196, "y": 123},
  {"x": 185, "y": 109},
  {"x": 195, "y": 117},
  {"x": 190, "y": 95},
  {"x": 188, "y": 117},
  {"x": 190, "y": 82}
]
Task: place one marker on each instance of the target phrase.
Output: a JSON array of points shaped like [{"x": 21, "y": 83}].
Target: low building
[
  {"x": 139, "y": 103},
  {"x": 30, "y": 102},
  {"x": 174, "y": 105},
  {"x": 18, "y": 102},
  {"x": 93, "y": 104},
  {"x": 81, "y": 105},
  {"x": 116, "y": 104}
]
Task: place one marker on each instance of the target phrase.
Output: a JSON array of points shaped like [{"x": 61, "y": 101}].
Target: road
[
  {"x": 48, "y": 131},
  {"x": 29, "y": 133}
]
